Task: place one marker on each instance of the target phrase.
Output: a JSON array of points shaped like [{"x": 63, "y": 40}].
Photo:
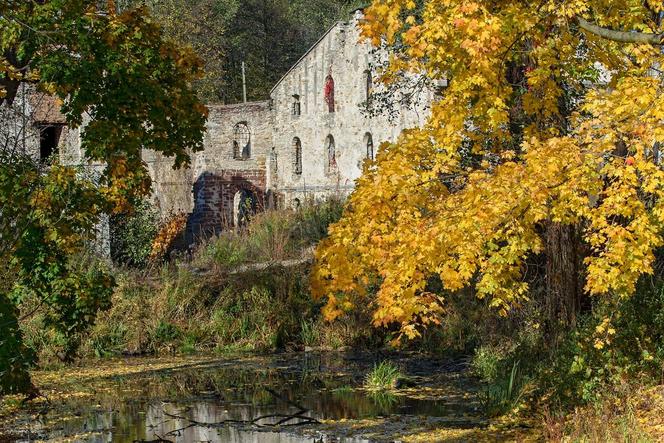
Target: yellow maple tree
[{"x": 553, "y": 116}]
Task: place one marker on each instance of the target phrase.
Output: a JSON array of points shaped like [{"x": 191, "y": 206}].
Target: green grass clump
[
  {"x": 309, "y": 334},
  {"x": 384, "y": 376},
  {"x": 505, "y": 393}
]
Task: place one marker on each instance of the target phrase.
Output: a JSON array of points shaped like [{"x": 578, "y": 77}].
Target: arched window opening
[
  {"x": 244, "y": 207},
  {"x": 297, "y": 107},
  {"x": 297, "y": 163},
  {"x": 329, "y": 93},
  {"x": 368, "y": 142},
  {"x": 241, "y": 141},
  {"x": 331, "y": 154},
  {"x": 369, "y": 84}
]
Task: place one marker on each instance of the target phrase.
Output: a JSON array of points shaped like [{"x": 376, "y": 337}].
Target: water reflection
[{"x": 220, "y": 402}]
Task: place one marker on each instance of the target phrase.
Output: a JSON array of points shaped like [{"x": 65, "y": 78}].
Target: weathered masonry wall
[
  {"x": 34, "y": 126},
  {"x": 230, "y": 175},
  {"x": 347, "y": 134},
  {"x": 171, "y": 189}
]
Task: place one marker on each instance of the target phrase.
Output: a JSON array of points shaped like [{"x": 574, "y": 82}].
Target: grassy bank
[{"x": 244, "y": 290}]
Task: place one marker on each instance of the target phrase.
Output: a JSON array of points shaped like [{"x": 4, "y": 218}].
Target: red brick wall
[{"x": 214, "y": 194}]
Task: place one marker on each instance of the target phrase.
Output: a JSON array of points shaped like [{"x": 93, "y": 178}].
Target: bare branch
[{"x": 621, "y": 36}]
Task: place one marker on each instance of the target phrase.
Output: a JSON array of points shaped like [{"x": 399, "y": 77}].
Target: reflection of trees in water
[{"x": 239, "y": 391}]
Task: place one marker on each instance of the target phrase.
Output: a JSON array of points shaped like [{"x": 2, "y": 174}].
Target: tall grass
[
  {"x": 611, "y": 420},
  {"x": 505, "y": 393},
  {"x": 383, "y": 377},
  {"x": 182, "y": 306},
  {"x": 272, "y": 236}
]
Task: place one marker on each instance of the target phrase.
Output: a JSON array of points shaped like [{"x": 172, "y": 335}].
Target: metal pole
[{"x": 244, "y": 84}]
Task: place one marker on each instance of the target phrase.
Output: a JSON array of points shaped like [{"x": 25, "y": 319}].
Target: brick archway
[{"x": 215, "y": 200}]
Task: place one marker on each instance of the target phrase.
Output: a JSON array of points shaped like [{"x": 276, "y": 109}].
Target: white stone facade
[{"x": 351, "y": 63}]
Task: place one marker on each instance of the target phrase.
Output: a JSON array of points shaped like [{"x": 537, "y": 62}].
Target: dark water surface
[{"x": 224, "y": 400}]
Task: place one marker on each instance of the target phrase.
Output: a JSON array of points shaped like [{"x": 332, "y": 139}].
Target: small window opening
[
  {"x": 369, "y": 85},
  {"x": 241, "y": 141},
  {"x": 331, "y": 154},
  {"x": 297, "y": 107},
  {"x": 329, "y": 93},
  {"x": 49, "y": 139},
  {"x": 297, "y": 145},
  {"x": 368, "y": 141}
]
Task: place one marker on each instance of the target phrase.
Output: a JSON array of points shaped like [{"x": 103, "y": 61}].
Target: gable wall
[{"x": 342, "y": 54}]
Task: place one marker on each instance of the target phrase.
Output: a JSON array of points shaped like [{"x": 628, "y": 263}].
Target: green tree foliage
[
  {"x": 128, "y": 89},
  {"x": 132, "y": 235},
  {"x": 116, "y": 74},
  {"x": 203, "y": 24},
  {"x": 14, "y": 356},
  {"x": 268, "y": 35}
]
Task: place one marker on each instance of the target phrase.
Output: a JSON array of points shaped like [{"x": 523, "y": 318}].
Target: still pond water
[{"x": 242, "y": 399}]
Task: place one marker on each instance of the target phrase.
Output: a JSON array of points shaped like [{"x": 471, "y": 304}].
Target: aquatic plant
[
  {"x": 384, "y": 376},
  {"x": 309, "y": 334},
  {"x": 383, "y": 400}
]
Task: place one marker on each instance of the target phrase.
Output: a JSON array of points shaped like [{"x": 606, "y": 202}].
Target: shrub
[
  {"x": 176, "y": 307},
  {"x": 165, "y": 333},
  {"x": 166, "y": 237},
  {"x": 111, "y": 342},
  {"x": 313, "y": 219},
  {"x": 384, "y": 376},
  {"x": 623, "y": 338},
  {"x": 132, "y": 235},
  {"x": 486, "y": 363}
]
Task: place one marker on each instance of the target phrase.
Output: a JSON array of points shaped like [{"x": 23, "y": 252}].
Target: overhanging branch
[{"x": 621, "y": 36}]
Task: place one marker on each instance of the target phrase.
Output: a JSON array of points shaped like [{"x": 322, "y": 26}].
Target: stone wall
[
  {"x": 30, "y": 117},
  {"x": 218, "y": 196},
  {"x": 224, "y": 178},
  {"x": 171, "y": 189},
  {"x": 349, "y": 61}
]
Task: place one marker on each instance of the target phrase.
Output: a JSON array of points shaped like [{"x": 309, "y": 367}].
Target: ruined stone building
[{"x": 306, "y": 141}]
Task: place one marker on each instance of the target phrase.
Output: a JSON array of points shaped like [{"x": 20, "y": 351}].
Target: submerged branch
[{"x": 284, "y": 419}]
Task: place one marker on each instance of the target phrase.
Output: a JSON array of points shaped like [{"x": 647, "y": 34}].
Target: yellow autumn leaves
[{"x": 542, "y": 122}]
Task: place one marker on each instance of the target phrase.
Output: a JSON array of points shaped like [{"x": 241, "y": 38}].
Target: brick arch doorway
[{"x": 245, "y": 205}]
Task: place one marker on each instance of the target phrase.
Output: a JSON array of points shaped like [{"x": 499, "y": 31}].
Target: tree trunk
[{"x": 565, "y": 297}]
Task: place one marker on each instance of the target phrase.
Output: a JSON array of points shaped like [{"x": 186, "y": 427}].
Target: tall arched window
[
  {"x": 297, "y": 161},
  {"x": 331, "y": 154},
  {"x": 329, "y": 93},
  {"x": 241, "y": 141},
  {"x": 369, "y": 85},
  {"x": 368, "y": 142},
  {"x": 297, "y": 108}
]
